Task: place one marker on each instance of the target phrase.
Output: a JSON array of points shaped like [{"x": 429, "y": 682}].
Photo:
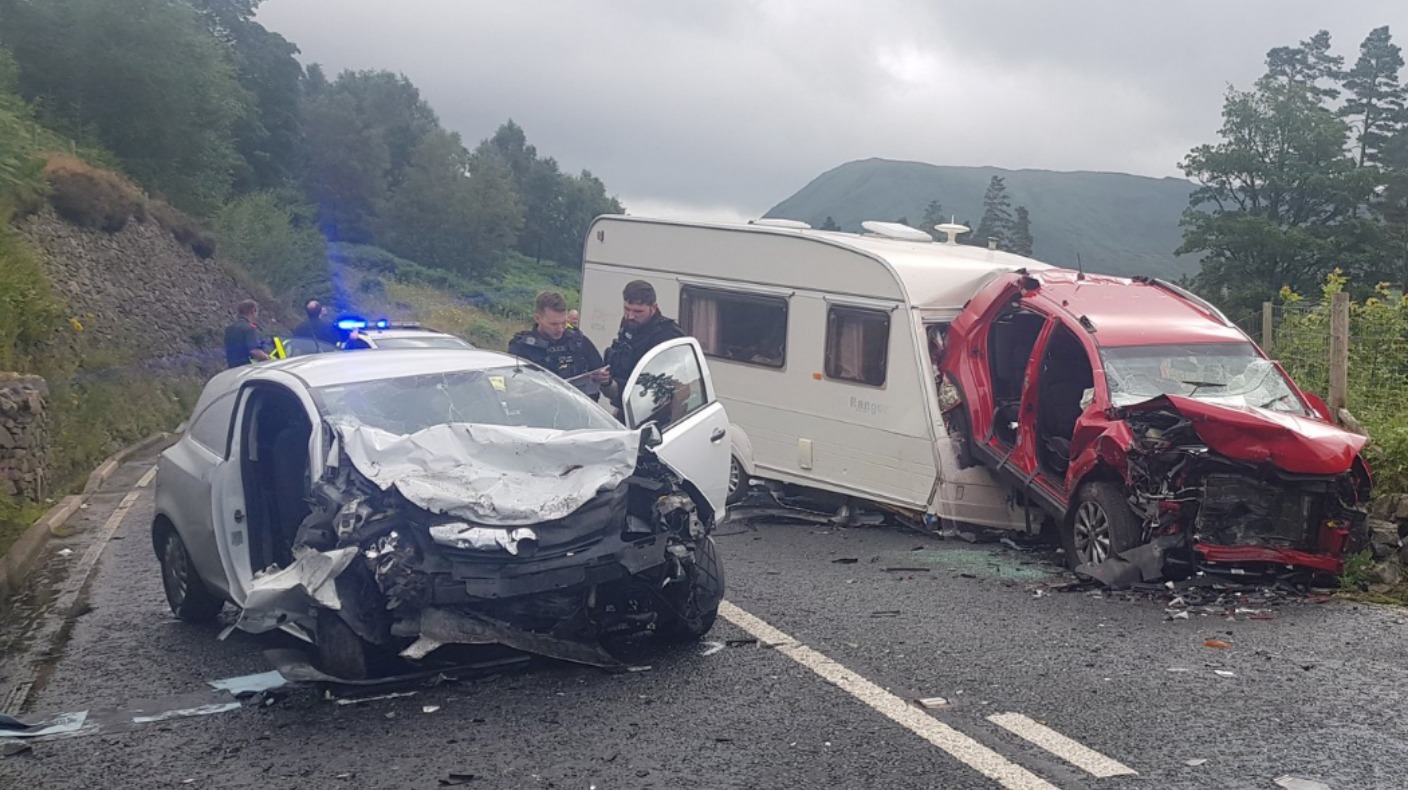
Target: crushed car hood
[
  {"x": 491, "y": 474},
  {"x": 1294, "y": 444}
]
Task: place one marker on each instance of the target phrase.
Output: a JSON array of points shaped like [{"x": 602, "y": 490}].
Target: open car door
[{"x": 671, "y": 388}]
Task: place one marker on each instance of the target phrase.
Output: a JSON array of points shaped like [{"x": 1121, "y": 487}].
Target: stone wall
[
  {"x": 24, "y": 437},
  {"x": 138, "y": 292}
]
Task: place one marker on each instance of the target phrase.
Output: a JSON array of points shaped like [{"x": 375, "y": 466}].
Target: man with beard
[
  {"x": 643, "y": 327},
  {"x": 552, "y": 345}
]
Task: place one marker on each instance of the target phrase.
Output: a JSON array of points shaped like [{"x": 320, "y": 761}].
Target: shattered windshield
[
  {"x": 517, "y": 396},
  {"x": 1232, "y": 374}
]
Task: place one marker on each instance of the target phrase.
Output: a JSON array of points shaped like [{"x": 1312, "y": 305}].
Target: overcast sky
[{"x": 722, "y": 108}]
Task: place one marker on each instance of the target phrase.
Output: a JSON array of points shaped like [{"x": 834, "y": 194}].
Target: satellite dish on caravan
[{"x": 953, "y": 230}]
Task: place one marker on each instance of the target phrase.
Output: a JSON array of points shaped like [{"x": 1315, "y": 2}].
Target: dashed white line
[
  {"x": 959, "y": 746},
  {"x": 1068, "y": 749}
]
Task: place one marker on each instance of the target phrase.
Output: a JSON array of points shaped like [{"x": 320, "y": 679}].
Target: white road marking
[
  {"x": 1068, "y": 749},
  {"x": 79, "y": 577},
  {"x": 959, "y": 746}
]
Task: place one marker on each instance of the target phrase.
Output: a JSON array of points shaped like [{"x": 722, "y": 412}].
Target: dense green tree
[
  {"x": 144, "y": 77},
  {"x": 1309, "y": 64},
  {"x": 1277, "y": 195},
  {"x": 997, "y": 216},
  {"x": 451, "y": 211},
  {"x": 362, "y": 131},
  {"x": 272, "y": 235},
  {"x": 933, "y": 215},
  {"x": 1374, "y": 105},
  {"x": 557, "y": 207},
  {"x": 270, "y": 140},
  {"x": 1021, "y": 238},
  {"x": 1392, "y": 208}
]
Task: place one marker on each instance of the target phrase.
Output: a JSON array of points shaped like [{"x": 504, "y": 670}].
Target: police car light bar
[{"x": 348, "y": 324}]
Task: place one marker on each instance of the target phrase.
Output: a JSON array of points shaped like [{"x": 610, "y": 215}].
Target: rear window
[
  {"x": 429, "y": 341},
  {"x": 739, "y": 327},
  {"x": 212, "y": 426},
  {"x": 857, "y": 345}
]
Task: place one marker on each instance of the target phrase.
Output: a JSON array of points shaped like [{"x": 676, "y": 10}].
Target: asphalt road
[{"x": 823, "y": 699}]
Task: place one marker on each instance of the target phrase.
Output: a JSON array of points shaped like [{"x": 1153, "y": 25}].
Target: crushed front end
[
  {"x": 626, "y": 550},
  {"x": 1230, "y": 501}
]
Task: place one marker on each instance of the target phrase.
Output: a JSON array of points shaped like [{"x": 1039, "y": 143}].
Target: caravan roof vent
[
  {"x": 953, "y": 230},
  {"x": 781, "y": 223},
  {"x": 894, "y": 230}
]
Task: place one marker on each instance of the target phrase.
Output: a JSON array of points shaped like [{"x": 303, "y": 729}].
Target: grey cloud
[{"x": 728, "y": 106}]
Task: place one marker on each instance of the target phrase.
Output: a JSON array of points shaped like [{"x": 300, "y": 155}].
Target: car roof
[
  {"x": 325, "y": 370},
  {"x": 1133, "y": 311},
  {"x": 396, "y": 331}
]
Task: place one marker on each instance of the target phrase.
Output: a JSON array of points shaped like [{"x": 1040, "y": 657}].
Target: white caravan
[{"x": 818, "y": 343}]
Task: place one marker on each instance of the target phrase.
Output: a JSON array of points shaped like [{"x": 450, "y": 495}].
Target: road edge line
[{"x": 26, "y": 552}]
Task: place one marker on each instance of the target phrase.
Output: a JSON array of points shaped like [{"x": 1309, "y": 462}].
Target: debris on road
[
  {"x": 906, "y": 570},
  {"x": 1195, "y": 762},
  {"x": 845, "y": 561},
  {"x": 741, "y": 642},
  {"x": 1217, "y": 644},
  {"x": 933, "y": 703},
  {"x": 15, "y": 749},
  {"x": 455, "y": 779},
  {"x": 429, "y": 708},
  {"x": 376, "y": 697},
  {"x": 711, "y": 648},
  {"x": 1290, "y": 782},
  {"x": 1224, "y": 673}
]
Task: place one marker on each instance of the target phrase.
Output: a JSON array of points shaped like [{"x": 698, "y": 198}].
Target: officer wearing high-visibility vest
[{"x": 551, "y": 344}]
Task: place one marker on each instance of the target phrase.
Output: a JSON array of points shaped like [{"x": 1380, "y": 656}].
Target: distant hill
[{"x": 1119, "y": 224}]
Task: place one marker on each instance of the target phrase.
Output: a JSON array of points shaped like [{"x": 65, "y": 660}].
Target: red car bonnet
[{"x": 1295, "y": 444}]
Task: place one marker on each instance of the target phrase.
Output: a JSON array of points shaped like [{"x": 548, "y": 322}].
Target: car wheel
[
  {"x": 341, "y": 653},
  {"x": 737, "y": 481},
  {"x": 692, "y": 612},
  {"x": 186, "y": 593},
  {"x": 1100, "y": 525}
]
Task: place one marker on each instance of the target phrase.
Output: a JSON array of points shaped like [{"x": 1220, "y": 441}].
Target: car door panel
[{"x": 671, "y": 387}]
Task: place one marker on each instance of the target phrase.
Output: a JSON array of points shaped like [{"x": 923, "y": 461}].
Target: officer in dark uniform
[
  {"x": 643, "y": 327},
  {"x": 553, "y": 346}
]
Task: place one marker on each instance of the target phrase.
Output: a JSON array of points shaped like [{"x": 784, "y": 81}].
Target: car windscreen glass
[
  {"x": 1233, "y": 374},
  {"x": 421, "y": 342},
  {"x": 514, "y": 395}
]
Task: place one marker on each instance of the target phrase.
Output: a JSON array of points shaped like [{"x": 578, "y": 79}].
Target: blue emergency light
[{"x": 349, "y": 324}]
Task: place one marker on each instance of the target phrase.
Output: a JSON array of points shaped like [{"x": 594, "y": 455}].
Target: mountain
[{"x": 1117, "y": 223}]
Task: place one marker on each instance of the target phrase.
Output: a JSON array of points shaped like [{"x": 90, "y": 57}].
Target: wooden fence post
[
  {"x": 1268, "y": 320},
  {"x": 1339, "y": 353}
]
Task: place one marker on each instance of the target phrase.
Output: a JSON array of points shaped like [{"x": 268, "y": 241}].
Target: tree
[
  {"x": 933, "y": 215},
  {"x": 830, "y": 224},
  {"x": 452, "y": 211},
  {"x": 270, "y": 140},
  {"x": 1021, "y": 239},
  {"x": 1310, "y": 64},
  {"x": 1277, "y": 195},
  {"x": 1374, "y": 106},
  {"x": 1392, "y": 208},
  {"x": 347, "y": 164},
  {"x": 997, "y": 216},
  {"x": 143, "y": 77}
]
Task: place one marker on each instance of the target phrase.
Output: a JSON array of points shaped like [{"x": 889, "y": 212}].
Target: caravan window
[
  {"x": 857, "y": 345},
  {"x": 739, "y": 327}
]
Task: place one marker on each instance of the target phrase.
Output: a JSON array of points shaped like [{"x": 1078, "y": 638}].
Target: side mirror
[
  {"x": 650, "y": 436},
  {"x": 1318, "y": 405}
]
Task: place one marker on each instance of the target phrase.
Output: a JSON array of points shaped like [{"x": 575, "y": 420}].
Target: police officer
[
  {"x": 643, "y": 327},
  {"x": 552, "y": 345},
  {"x": 242, "y": 338}
]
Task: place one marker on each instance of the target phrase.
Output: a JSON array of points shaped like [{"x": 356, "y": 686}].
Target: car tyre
[
  {"x": 186, "y": 593},
  {"x": 341, "y": 653},
  {"x": 1100, "y": 525},
  {"x": 737, "y": 481},
  {"x": 692, "y": 614}
]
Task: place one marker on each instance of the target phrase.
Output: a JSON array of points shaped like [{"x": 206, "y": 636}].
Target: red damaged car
[{"x": 1136, "y": 415}]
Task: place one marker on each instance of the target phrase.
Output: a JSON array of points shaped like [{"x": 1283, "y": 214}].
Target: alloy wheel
[{"x": 1092, "y": 533}]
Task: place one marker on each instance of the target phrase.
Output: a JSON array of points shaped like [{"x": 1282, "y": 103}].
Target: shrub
[
  {"x": 29, "y": 313},
  {"x": 90, "y": 197},
  {"x": 187, "y": 231},
  {"x": 274, "y": 238}
]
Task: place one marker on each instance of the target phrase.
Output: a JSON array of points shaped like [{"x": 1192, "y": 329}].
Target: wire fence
[{"x": 1375, "y": 356}]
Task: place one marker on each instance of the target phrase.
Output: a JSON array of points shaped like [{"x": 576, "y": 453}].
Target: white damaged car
[{"x": 436, "y": 497}]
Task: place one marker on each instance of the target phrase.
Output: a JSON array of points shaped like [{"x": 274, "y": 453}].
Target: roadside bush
[
  {"x": 1378, "y": 367},
  {"x": 29, "y": 312},
  {"x": 275, "y": 239},
  {"x": 91, "y": 197}
]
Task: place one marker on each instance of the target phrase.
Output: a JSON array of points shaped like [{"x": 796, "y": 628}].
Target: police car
[{"x": 385, "y": 334}]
